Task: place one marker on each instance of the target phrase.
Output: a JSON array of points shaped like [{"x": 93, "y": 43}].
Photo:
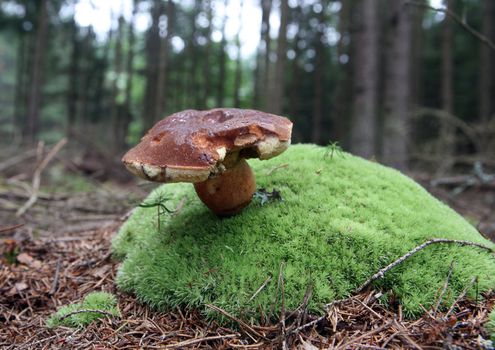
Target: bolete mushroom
[{"x": 209, "y": 148}]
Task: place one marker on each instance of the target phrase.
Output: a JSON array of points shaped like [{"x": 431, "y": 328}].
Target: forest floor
[{"x": 61, "y": 251}]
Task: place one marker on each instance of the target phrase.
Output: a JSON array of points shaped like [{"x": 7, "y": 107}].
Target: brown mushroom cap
[{"x": 192, "y": 145}]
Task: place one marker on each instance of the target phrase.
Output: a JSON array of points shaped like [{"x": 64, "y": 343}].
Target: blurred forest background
[{"x": 393, "y": 80}]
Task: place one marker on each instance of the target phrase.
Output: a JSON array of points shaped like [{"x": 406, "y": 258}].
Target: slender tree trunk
[
  {"x": 262, "y": 56},
  {"x": 342, "y": 94},
  {"x": 417, "y": 54},
  {"x": 90, "y": 76},
  {"x": 222, "y": 63},
  {"x": 20, "y": 84},
  {"x": 238, "y": 65},
  {"x": 275, "y": 103},
  {"x": 206, "y": 58},
  {"x": 363, "y": 132},
  {"x": 127, "y": 110},
  {"x": 35, "y": 93},
  {"x": 447, "y": 138},
  {"x": 161, "y": 91},
  {"x": 397, "y": 86},
  {"x": 319, "y": 79},
  {"x": 73, "y": 93},
  {"x": 487, "y": 70},
  {"x": 152, "y": 66}
]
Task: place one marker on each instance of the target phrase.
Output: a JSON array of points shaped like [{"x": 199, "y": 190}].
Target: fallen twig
[
  {"x": 55, "y": 279},
  {"x": 10, "y": 228},
  {"x": 387, "y": 268},
  {"x": 200, "y": 340}
]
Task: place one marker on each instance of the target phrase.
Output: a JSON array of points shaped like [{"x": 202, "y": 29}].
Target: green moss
[
  {"x": 341, "y": 219},
  {"x": 93, "y": 301}
]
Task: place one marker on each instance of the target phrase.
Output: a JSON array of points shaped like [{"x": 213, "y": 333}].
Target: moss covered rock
[{"x": 341, "y": 219}]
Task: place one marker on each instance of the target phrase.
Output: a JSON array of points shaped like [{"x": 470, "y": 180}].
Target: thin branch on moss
[
  {"x": 105, "y": 313},
  {"x": 258, "y": 291},
  {"x": 444, "y": 289},
  {"x": 456, "y": 18},
  {"x": 272, "y": 170},
  {"x": 383, "y": 271},
  {"x": 200, "y": 340},
  {"x": 461, "y": 296}
]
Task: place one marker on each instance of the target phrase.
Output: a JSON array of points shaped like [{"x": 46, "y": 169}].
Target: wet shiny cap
[{"x": 191, "y": 146}]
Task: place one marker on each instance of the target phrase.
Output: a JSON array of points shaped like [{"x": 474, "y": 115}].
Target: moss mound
[
  {"x": 341, "y": 219},
  {"x": 102, "y": 301}
]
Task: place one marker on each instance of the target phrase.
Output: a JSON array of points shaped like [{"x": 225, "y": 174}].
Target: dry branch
[
  {"x": 37, "y": 176},
  {"x": 456, "y": 18},
  {"x": 383, "y": 271}
]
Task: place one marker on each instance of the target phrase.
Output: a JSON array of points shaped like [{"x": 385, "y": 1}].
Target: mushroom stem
[{"x": 229, "y": 192}]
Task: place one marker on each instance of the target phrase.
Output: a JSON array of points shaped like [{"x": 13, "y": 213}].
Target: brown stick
[
  {"x": 268, "y": 279},
  {"x": 387, "y": 268},
  {"x": 10, "y": 228},
  {"x": 37, "y": 176}
]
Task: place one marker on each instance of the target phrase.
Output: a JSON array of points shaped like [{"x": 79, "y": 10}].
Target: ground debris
[{"x": 84, "y": 265}]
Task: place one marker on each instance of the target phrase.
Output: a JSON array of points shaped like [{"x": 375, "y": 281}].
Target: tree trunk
[
  {"x": 73, "y": 93},
  {"x": 206, "y": 58},
  {"x": 276, "y": 91},
  {"x": 152, "y": 66},
  {"x": 487, "y": 71},
  {"x": 319, "y": 78},
  {"x": 115, "y": 105},
  {"x": 20, "y": 84},
  {"x": 263, "y": 56},
  {"x": 342, "y": 95},
  {"x": 397, "y": 86},
  {"x": 222, "y": 62},
  {"x": 363, "y": 132},
  {"x": 447, "y": 138},
  {"x": 238, "y": 65},
  {"x": 35, "y": 93},
  {"x": 161, "y": 91}
]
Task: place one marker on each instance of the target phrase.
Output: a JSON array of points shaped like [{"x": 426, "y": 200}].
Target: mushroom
[{"x": 209, "y": 148}]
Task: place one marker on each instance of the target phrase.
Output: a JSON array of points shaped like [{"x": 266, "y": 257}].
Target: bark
[
  {"x": 152, "y": 66},
  {"x": 115, "y": 106},
  {"x": 222, "y": 63},
  {"x": 263, "y": 56},
  {"x": 363, "y": 132},
  {"x": 275, "y": 102},
  {"x": 207, "y": 58},
  {"x": 36, "y": 84},
  {"x": 238, "y": 65},
  {"x": 417, "y": 14},
  {"x": 487, "y": 70},
  {"x": 319, "y": 79},
  {"x": 163, "y": 62},
  {"x": 193, "y": 88},
  {"x": 447, "y": 138},
  {"x": 20, "y": 83},
  {"x": 342, "y": 95},
  {"x": 397, "y": 86},
  {"x": 73, "y": 93}
]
